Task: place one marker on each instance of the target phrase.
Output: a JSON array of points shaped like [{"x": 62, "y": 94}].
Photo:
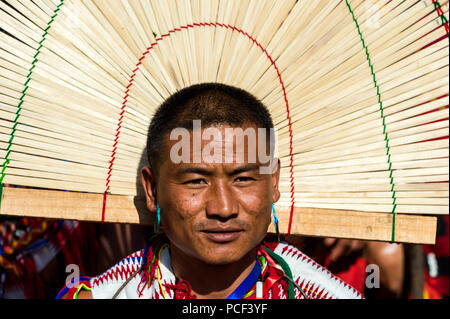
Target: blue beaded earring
[
  {"x": 275, "y": 220},
  {"x": 158, "y": 218}
]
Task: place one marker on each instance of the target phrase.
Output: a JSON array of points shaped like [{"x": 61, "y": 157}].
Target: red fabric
[
  {"x": 182, "y": 290},
  {"x": 436, "y": 288},
  {"x": 441, "y": 247},
  {"x": 355, "y": 275},
  {"x": 430, "y": 292}
]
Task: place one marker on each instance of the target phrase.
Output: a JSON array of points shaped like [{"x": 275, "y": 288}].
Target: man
[{"x": 214, "y": 198}]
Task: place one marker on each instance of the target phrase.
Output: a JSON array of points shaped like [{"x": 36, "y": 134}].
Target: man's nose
[{"x": 221, "y": 202}]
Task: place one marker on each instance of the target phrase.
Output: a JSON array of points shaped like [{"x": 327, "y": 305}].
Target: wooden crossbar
[{"x": 307, "y": 221}]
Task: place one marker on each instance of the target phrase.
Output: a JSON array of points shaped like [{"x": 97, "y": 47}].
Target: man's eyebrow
[
  {"x": 243, "y": 169},
  {"x": 194, "y": 170},
  {"x": 210, "y": 172}
]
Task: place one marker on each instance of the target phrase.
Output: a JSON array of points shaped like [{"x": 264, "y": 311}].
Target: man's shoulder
[
  {"x": 102, "y": 285},
  {"x": 77, "y": 288},
  {"x": 313, "y": 278},
  {"x": 84, "y": 294},
  {"x": 122, "y": 270}
]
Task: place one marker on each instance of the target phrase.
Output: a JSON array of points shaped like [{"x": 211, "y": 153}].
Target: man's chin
[
  {"x": 223, "y": 254},
  {"x": 220, "y": 260}
]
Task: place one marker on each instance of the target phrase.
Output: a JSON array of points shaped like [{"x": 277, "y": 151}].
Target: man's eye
[
  {"x": 198, "y": 181},
  {"x": 244, "y": 179}
]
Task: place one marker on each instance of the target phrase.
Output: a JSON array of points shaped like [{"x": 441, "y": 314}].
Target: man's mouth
[{"x": 222, "y": 235}]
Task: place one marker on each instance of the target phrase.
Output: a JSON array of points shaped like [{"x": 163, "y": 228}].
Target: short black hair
[{"x": 214, "y": 104}]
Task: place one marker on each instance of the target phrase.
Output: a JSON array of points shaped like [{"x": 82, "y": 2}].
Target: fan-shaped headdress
[{"x": 358, "y": 91}]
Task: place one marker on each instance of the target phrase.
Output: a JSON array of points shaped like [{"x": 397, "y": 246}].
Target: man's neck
[{"x": 211, "y": 281}]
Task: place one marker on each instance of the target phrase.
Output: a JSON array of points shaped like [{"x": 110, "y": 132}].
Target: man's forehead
[
  {"x": 217, "y": 147},
  {"x": 219, "y": 136}
]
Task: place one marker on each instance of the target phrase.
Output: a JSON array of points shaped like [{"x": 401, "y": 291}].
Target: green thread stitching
[
  {"x": 437, "y": 6},
  {"x": 386, "y": 137},
  {"x": 21, "y": 100}
]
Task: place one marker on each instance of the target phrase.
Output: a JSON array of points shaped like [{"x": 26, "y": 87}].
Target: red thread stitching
[{"x": 123, "y": 271}]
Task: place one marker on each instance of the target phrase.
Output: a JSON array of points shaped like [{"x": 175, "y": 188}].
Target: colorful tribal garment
[
  {"x": 27, "y": 246},
  {"x": 148, "y": 274}
]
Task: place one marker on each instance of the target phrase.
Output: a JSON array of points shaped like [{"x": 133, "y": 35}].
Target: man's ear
[
  {"x": 275, "y": 182},
  {"x": 149, "y": 184}
]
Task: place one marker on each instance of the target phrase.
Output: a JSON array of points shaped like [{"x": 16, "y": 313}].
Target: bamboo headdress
[{"x": 358, "y": 91}]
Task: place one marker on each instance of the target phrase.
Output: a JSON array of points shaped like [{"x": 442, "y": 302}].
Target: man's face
[{"x": 215, "y": 212}]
